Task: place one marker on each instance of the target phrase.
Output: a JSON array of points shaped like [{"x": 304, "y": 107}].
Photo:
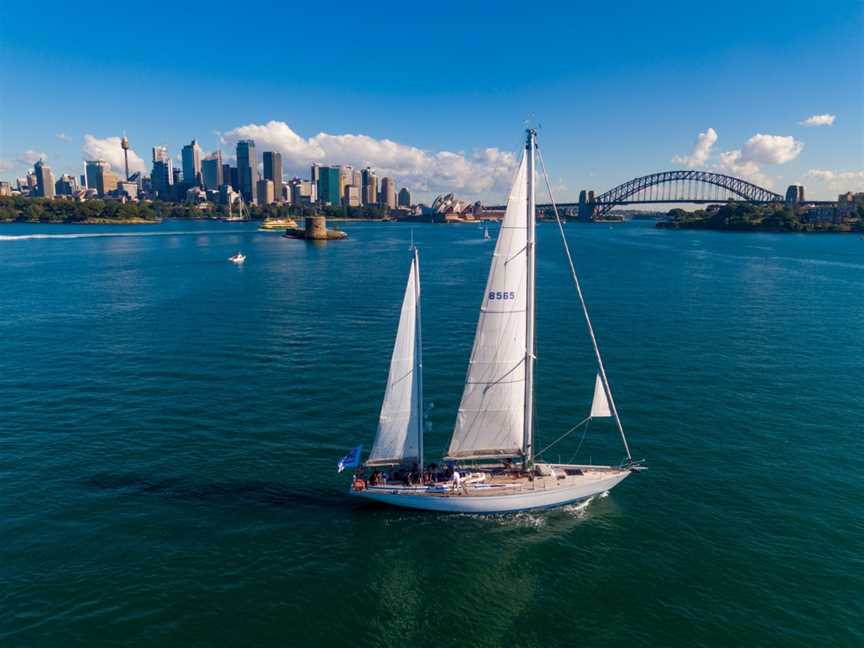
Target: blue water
[{"x": 171, "y": 422}]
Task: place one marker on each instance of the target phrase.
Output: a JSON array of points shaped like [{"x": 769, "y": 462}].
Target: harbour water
[{"x": 171, "y": 424}]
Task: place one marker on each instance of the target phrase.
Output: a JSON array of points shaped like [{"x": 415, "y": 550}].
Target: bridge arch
[{"x": 688, "y": 182}]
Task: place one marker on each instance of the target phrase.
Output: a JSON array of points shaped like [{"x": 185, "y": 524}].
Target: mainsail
[
  {"x": 491, "y": 418},
  {"x": 400, "y": 426}
]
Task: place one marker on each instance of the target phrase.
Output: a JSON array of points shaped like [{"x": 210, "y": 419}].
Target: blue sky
[{"x": 619, "y": 89}]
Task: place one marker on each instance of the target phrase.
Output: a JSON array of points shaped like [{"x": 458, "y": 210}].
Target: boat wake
[{"x": 79, "y": 235}]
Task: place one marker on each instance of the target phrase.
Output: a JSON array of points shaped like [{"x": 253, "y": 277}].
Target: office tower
[
  {"x": 273, "y": 172},
  {"x": 162, "y": 176},
  {"x": 404, "y": 197},
  {"x": 303, "y": 192},
  {"x": 95, "y": 170},
  {"x": 226, "y": 174},
  {"x": 44, "y": 180},
  {"x": 328, "y": 186},
  {"x": 388, "y": 193},
  {"x": 211, "y": 170},
  {"x": 5, "y": 188},
  {"x": 124, "y": 144},
  {"x": 346, "y": 174},
  {"x": 128, "y": 188},
  {"x": 82, "y": 179},
  {"x": 177, "y": 176},
  {"x": 66, "y": 185},
  {"x": 369, "y": 187},
  {"x": 351, "y": 196},
  {"x": 247, "y": 170},
  {"x": 316, "y": 174},
  {"x": 265, "y": 192},
  {"x": 107, "y": 181},
  {"x": 191, "y": 155}
]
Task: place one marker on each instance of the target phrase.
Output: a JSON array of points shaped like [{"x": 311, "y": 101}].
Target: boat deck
[{"x": 488, "y": 484}]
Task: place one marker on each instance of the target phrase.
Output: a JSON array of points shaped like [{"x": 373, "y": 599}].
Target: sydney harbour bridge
[{"x": 685, "y": 186}]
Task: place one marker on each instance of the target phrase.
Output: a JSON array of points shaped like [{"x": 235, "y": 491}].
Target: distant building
[
  {"x": 195, "y": 196},
  {"x": 162, "y": 174},
  {"x": 191, "y": 155},
  {"x": 66, "y": 185},
  {"x": 92, "y": 170},
  {"x": 211, "y": 170},
  {"x": 387, "y": 196},
  {"x": 303, "y": 192},
  {"x": 177, "y": 176},
  {"x": 5, "y": 189},
  {"x": 44, "y": 180},
  {"x": 795, "y": 194},
  {"x": 328, "y": 186},
  {"x": 247, "y": 170},
  {"x": 227, "y": 196},
  {"x": 369, "y": 186},
  {"x": 346, "y": 175},
  {"x": 316, "y": 174},
  {"x": 273, "y": 172},
  {"x": 351, "y": 196},
  {"x": 848, "y": 204},
  {"x": 404, "y": 197},
  {"x": 265, "y": 193},
  {"x": 128, "y": 189},
  {"x": 107, "y": 181}
]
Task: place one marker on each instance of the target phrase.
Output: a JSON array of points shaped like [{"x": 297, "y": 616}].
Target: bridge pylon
[{"x": 587, "y": 205}]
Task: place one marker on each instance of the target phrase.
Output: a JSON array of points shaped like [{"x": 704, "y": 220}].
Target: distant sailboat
[
  {"x": 486, "y": 236},
  {"x": 495, "y": 421}
]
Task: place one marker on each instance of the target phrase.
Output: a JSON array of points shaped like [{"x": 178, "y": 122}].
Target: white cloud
[
  {"x": 840, "y": 180},
  {"x": 109, "y": 149},
  {"x": 63, "y": 137},
  {"x": 483, "y": 171},
  {"x": 771, "y": 149},
  {"x": 819, "y": 120},
  {"x": 701, "y": 150},
  {"x": 31, "y": 157},
  {"x": 733, "y": 163}
]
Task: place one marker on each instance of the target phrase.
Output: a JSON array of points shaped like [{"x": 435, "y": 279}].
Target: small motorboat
[{"x": 238, "y": 258}]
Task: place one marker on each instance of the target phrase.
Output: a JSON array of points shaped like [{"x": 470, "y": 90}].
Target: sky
[{"x": 437, "y": 95}]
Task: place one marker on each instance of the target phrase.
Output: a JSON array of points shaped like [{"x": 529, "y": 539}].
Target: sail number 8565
[{"x": 502, "y": 294}]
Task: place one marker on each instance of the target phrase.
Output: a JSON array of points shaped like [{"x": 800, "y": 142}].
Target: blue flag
[{"x": 352, "y": 459}]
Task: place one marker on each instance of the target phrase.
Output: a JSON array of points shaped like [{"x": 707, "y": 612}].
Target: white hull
[{"x": 594, "y": 482}]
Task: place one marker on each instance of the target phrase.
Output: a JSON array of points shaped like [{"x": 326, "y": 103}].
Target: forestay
[
  {"x": 400, "y": 425},
  {"x": 490, "y": 422}
]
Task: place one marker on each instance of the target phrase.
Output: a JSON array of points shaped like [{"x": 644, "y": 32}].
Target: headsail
[
  {"x": 400, "y": 426},
  {"x": 600, "y": 404},
  {"x": 491, "y": 417}
]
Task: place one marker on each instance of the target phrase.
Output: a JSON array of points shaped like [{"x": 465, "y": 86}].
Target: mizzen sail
[
  {"x": 491, "y": 418},
  {"x": 400, "y": 425}
]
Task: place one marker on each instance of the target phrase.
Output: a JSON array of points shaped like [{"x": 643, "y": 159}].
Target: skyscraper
[
  {"x": 265, "y": 192},
  {"x": 388, "y": 193},
  {"x": 351, "y": 196},
  {"x": 404, "y": 197},
  {"x": 44, "y": 180},
  {"x": 247, "y": 170},
  {"x": 66, "y": 185},
  {"x": 316, "y": 174},
  {"x": 273, "y": 172},
  {"x": 192, "y": 163},
  {"x": 369, "y": 193},
  {"x": 162, "y": 176},
  {"x": 211, "y": 170},
  {"x": 328, "y": 185},
  {"x": 91, "y": 172}
]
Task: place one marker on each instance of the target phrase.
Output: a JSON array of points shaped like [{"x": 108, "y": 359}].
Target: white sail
[
  {"x": 600, "y": 404},
  {"x": 491, "y": 418},
  {"x": 400, "y": 425}
]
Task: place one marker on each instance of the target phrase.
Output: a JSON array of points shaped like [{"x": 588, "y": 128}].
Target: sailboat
[
  {"x": 486, "y": 235},
  {"x": 491, "y": 463}
]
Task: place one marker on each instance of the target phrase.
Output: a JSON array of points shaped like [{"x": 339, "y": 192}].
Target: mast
[
  {"x": 418, "y": 349},
  {"x": 528, "y": 440}
]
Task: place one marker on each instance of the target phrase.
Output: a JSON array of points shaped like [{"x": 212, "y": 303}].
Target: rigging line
[
  {"x": 581, "y": 441},
  {"x": 585, "y": 310},
  {"x": 575, "y": 427}
]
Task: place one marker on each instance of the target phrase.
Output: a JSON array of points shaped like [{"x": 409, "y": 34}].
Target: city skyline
[{"x": 771, "y": 93}]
